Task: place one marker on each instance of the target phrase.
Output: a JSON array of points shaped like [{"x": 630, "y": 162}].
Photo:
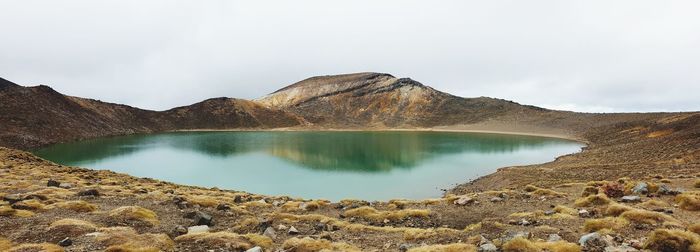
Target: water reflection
[{"x": 328, "y": 151}]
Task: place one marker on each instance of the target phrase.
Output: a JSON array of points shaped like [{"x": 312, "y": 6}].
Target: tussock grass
[
  {"x": 653, "y": 204},
  {"x": 75, "y": 205},
  {"x": 689, "y": 201},
  {"x": 373, "y": 214},
  {"x": 616, "y": 209},
  {"x": 307, "y": 244},
  {"x": 5, "y": 244},
  {"x": 138, "y": 214},
  {"x": 648, "y": 217},
  {"x": 672, "y": 240},
  {"x": 538, "y": 191},
  {"x": 8, "y": 211},
  {"x": 73, "y": 227},
  {"x": 593, "y": 200},
  {"x": 127, "y": 239},
  {"x": 524, "y": 245},
  {"x": 611, "y": 223},
  {"x": 562, "y": 209},
  {"x": 226, "y": 239},
  {"x": 697, "y": 183},
  {"x": 454, "y": 247},
  {"x": 31, "y": 204},
  {"x": 695, "y": 228}
]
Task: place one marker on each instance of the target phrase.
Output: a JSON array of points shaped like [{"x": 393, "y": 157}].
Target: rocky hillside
[
  {"x": 37, "y": 116},
  {"x": 382, "y": 100}
]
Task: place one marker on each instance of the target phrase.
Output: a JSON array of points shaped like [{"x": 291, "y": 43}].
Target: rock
[
  {"x": 255, "y": 249},
  {"x": 65, "y": 242},
  {"x": 12, "y": 198},
  {"x": 89, "y": 192},
  {"x": 223, "y": 207},
  {"x": 496, "y": 199},
  {"x": 524, "y": 222},
  {"x": 320, "y": 226},
  {"x": 293, "y": 231},
  {"x": 237, "y": 199},
  {"x": 553, "y": 238},
  {"x": 593, "y": 242},
  {"x": 183, "y": 204},
  {"x": 282, "y": 227},
  {"x": 487, "y": 247},
  {"x": 53, "y": 183},
  {"x": 583, "y": 213},
  {"x": 404, "y": 247},
  {"x": 270, "y": 232},
  {"x": 510, "y": 235},
  {"x": 142, "y": 191},
  {"x": 631, "y": 198},
  {"x": 198, "y": 229},
  {"x": 591, "y": 190},
  {"x": 464, "y": 200},
  {"x": 65, "y": 185},
  {"x": 180, "y": 230},
  {"x": 621, "y": 248},
  {"x": 308, "y": 207},
  {"x": 202, "y": 218},
  {"x": 549, "y": 212},
  {"x": 666, "y": 190},
  {"x": 641, "y": 188}
]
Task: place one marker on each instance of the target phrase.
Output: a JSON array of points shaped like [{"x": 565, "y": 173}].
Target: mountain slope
[{"x": 382, "y": 100}]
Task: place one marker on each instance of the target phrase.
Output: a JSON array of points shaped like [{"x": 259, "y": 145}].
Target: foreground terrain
[{"x": 636, "y": 186}]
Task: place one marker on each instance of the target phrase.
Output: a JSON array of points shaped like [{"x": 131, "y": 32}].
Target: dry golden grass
[
  {"x": 653, "y": 204},
  {"x": 31, "y": 204},
  {"x": 565, "y": 210},
  {"x": 697, "y": 183},
  {"x": 524, "y": 245},
  {"x": 75, "y": 205},
  {"x": 370, "y": 213},
  {"x": 454, "y": 247},
  {"x": 689, "y": 201},
  {"x": 73, "y": 227},
  {"x": 5, "y": 244},
  {"x": 219, "y": 239},
  {"x": 8, "y": 211},
  {"x": 127, "y": 239},
  {"x": 615, "y": 209},
  {"x": 593, "y": 200},
  {"x": 307, "y": 244},
  {"x": 139, "y": 214},
  {"x": 648, "y": 217},
  {"x": 259, "y": 240},
  {"x": 659, "y": 133},
  {"x": 611, "y": 223},
  {"x": 672, "y": 240},
  {"x": 538, "y": 191},
  {"x": 247, "y": 225}
]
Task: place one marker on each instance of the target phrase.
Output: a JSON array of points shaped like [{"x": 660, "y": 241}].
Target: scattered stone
[
  {"x": 510, "y": 235},
  {"x": 12, "y": 198},
  {"x": 53, "y": 183},
  {"x": 404, "y": 247},
  {"x": 282, "y": 227},
  {"x": 549, "y": 212},
  {"x": 180, "y": 230},
  {"x": 142, "y": 191},
  {"x": 666, "y": 190},
  {"x": 591, "y": 190},
  {"x": 255, "y": 249},
  {"x": 308, "y": 207},
  {"x": 223, "y": 207},
  {"x": 583, "y": 213},
  {"x": 65, "y": 185},
  {"x": 202, "y": 218},
  {"x": 621, "y": 248},
  {"x": 553, "y": 238},
  {"x": 464, "y": 200},
  {"x": 496, "y": 199},
  {"x": 89, "y": 192},
  {"x": 320, "y": 226},
  {"x": 487, "y": 247},
  {"x": 270, "y": 232},
  {"x": 593, "y": 242},
  {"x": 183, "y": 204},
  {"x": 641, "y": 188},
  {"x": 293, "y": 231},
  {"x": 524, "y": 222},
  {"x": 277, "y": 203},
  {"x": 631, "y": 199},
  {"x": 198, "y": 229},
  {"x": 65, "y": 242},
  {"x": 237, "y": 199}
]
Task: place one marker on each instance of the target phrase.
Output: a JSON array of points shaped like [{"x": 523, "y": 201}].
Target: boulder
[
  {"x": 641, "y": 188},
  {"x": 198, "y": 229},
  {"x": 463, "y": 200},
  {"x": 53, "y": 183},
  {"x": 631, "y": 198}
]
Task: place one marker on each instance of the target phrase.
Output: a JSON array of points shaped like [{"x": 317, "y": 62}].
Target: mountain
[{"x": 382, "y": 100}]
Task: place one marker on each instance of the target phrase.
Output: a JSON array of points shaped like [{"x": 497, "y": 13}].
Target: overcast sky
[{"x": 598, "y": 56}]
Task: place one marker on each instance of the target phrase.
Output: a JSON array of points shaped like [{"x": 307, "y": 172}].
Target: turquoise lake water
[{"x": 326, "y": 165}]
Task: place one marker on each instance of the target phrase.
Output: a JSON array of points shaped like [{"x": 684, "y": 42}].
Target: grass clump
[
  {"x": 223, "y": 239},
  {"x": 307, "y": 244},
  {"x": 562, "y": 209},
  {"x": 5, "y": 244},
  {"x": 616, "y": 209},
  {"x": 610, "y": 223},
  {"x": 648, "y": 217},
  {"x": 697, "y": 183},
  {"x": 7, "y": 211},
  {"x": 593, "y": 200},
  {"x": 133, "y": 214},
  {"x": 454, "y": 247},
  {"x": 673, "y": 240},
  {"x": 75, "y": 205},
  {"x": 72, "y": 227},
  {"x": 521, "y": 244},
  {"x": 653, "y": 204},
  {"x": 689, "y": 201},
  {"x": 373, "y": 214},
  {"x": 31, "y": 204},
  {"x": 127, "y": 239}
]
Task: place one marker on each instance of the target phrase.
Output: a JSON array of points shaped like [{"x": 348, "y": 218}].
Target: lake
[{"x": 327, "y": 164}]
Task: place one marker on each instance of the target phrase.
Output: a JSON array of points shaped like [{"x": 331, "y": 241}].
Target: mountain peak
[{"x": 6, "y": 84}]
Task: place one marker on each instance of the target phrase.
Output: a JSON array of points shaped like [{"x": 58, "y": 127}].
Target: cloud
[{"x": 598, "y": 56}]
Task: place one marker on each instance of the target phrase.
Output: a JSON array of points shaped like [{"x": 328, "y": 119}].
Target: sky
[{"x": 588, "y": 56}]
